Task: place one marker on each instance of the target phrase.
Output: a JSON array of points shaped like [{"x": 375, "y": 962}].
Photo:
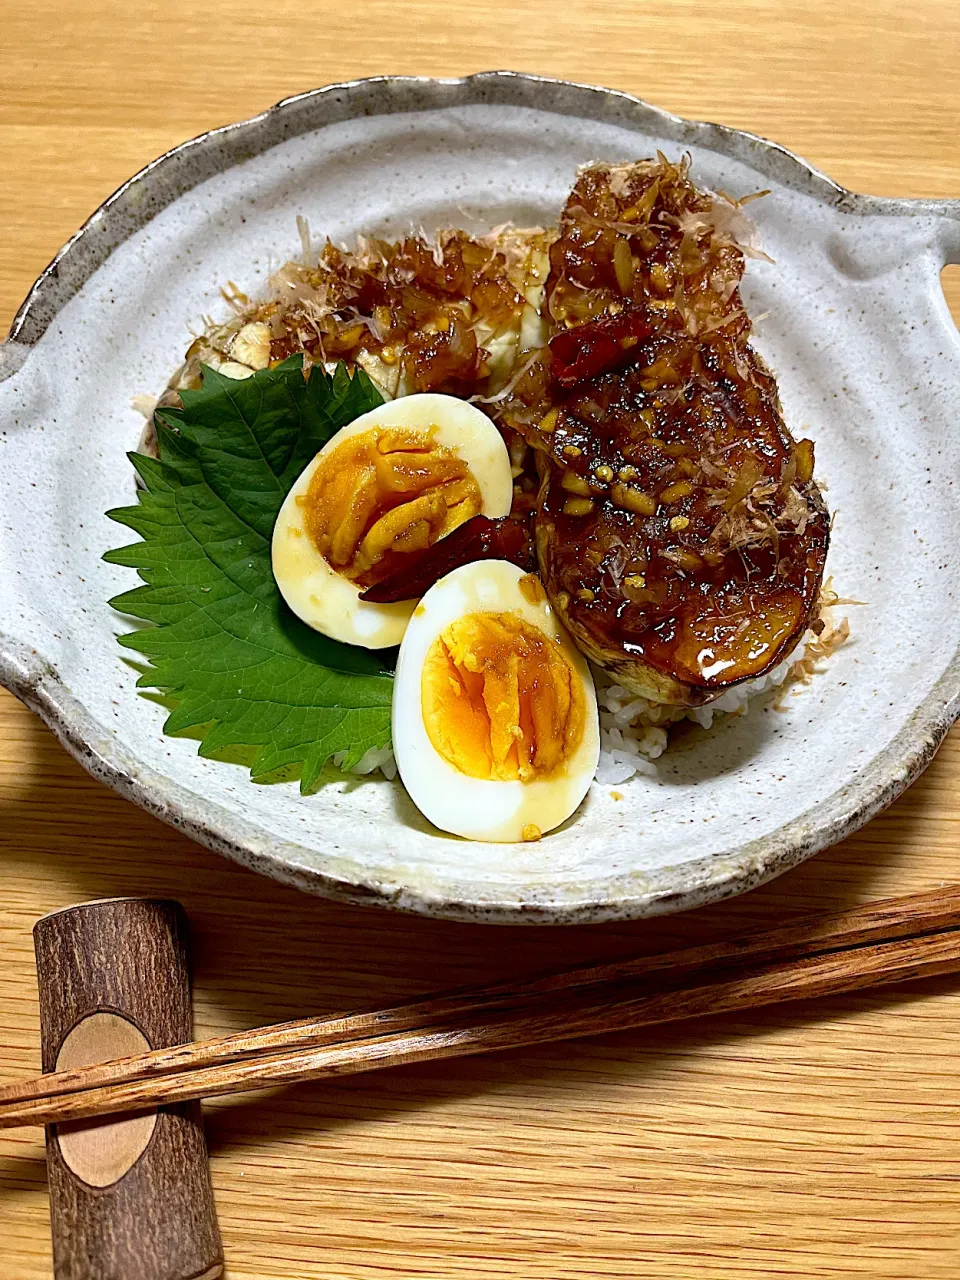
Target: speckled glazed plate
[{"x": 868, "y": 360}]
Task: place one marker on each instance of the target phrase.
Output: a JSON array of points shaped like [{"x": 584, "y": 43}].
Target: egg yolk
[
  {"x": 500, "y": 699},
  {"x": 383, "y": 494}
]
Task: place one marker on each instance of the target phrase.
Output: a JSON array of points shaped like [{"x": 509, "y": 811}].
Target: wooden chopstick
[
  {"x": 890, "y": 941},
  {"x": 886, "y": 919}
]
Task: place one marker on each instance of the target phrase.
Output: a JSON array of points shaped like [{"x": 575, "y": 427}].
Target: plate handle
[
  {"x": 947, "y": 213},
  {"x": 941, "y": 216}
]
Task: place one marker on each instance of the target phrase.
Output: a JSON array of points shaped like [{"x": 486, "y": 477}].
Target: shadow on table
[{"x": 265, "y": 953}]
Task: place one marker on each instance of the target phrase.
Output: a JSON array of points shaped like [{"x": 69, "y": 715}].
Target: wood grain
[
  {"x": 100, "y": 1154},
  {"x": 815, "y": 1141},
  {"x": 123, "y": 1203}
]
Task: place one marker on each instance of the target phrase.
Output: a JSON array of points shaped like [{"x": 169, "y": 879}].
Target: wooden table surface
[{"x": 802, "y": 1141}]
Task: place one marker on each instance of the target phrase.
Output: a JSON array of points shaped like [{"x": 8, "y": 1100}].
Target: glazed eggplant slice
[{"x": 679, "y": 531}]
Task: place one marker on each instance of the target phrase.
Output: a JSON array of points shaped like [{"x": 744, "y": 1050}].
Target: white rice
[
  {"x": 376, "y": 758},
  {"x": 633, "y": 730}
]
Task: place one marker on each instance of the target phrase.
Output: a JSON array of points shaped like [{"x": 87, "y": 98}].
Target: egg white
[
  {"x": 479, "y": 808},
  {"x": 331, "y": 603}
]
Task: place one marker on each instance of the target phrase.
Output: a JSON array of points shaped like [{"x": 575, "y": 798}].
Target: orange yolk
[
  {"x": 500, "y": 699},
  {"x": 382, "y": 495}
]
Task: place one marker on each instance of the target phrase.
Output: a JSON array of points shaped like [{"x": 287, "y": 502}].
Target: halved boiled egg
[
  {"x": 388, "y": 485},
  {"x": 495, "y": 727}
]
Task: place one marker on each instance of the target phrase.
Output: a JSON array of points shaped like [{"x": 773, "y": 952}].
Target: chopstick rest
[{"x": 130, "y": 1197}]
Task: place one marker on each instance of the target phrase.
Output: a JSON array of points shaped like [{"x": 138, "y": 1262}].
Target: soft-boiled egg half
[
  {"x": 390, "y": 484},
  {"x": 495, "y": 727}
]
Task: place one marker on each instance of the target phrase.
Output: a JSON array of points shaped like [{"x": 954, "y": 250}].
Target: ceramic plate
[{"x": 868, "y": 360}]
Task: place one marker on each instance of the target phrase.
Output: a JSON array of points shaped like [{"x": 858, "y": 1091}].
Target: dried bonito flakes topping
[{"x": 453, "y": 313}]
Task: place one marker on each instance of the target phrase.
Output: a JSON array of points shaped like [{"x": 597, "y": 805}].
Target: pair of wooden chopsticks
[{"x": 894, "y": 940}]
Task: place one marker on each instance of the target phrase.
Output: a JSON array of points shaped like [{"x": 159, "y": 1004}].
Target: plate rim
[{"x": 698, "y": 882}]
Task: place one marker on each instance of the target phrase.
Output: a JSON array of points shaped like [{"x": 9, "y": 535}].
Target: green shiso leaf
[{"x": 239, "y": 665}]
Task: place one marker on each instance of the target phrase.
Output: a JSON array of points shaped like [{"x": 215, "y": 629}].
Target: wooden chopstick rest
[{"x": 130, "y": 1197}]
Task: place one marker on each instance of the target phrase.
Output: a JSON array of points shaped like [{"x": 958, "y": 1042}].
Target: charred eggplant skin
[{"x": 679, "y": 532}]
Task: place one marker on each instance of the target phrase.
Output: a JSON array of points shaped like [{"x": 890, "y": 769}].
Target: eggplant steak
[{"x": 679, "y": 531}]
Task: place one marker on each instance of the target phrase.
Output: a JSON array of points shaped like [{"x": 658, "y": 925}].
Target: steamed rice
[
  {"x": 634, "y": 731},
  {"x": 376, "y": 758}
]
